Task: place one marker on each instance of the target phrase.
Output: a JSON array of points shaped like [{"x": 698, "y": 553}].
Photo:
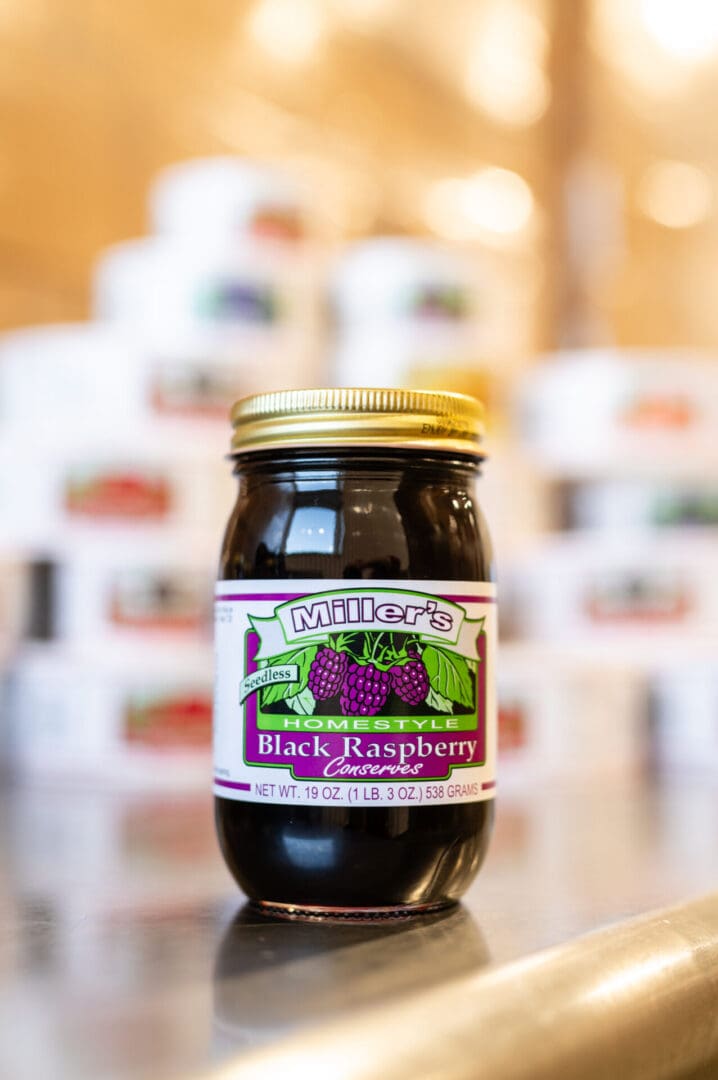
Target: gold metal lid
[{"x": 360, "y": 417}]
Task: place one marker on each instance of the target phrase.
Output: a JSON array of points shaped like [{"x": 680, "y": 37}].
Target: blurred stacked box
[
  {"x": 567, "y": 718},
  {"x": 626, "y": 440},
  {"x": 113, "y": 476},
  {"x": 409, "y": 313},
  {"x": 416, "y": 314}
]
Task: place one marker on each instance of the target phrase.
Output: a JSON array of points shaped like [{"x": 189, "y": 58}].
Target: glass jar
[{"x": 355, "y": 715}]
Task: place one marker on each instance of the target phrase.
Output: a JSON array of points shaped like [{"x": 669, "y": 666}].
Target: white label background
[{"x": 235, "y": 779}]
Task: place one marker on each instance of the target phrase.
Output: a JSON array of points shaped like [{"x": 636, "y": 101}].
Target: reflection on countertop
[
  {"x": 272, "y": 975},
  {"x": 126, "y": 950}
]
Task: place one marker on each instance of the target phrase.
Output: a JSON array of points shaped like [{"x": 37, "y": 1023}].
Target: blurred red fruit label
[
  {"x": 512, "y": 727},
  {"x": 175, "y": 720},
  {"x": 640, "y": 598},
  {"x": 277, "y": 223},
  {"x": 355, "y": 696},
  {"x": 660, "y": 411},
  {"x": 118, "y": 493}
]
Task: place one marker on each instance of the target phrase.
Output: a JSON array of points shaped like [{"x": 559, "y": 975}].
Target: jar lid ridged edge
[{"x": 358, "y": 416}]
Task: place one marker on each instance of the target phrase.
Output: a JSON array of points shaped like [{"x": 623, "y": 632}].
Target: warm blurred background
[
  {"x": 512, "y": 197},
  {"x": 200, "y": 200}
]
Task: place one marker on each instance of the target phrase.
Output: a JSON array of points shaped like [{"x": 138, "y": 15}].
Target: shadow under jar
[{"x": 355, "y": 731}]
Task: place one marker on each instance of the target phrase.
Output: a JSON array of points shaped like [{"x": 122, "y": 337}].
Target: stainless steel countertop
[
  {"x": 125, "y": 950},
  {"x": 637, "y": 1000}
]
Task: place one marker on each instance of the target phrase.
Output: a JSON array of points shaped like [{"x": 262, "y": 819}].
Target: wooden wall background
[{"x": 96, "y": 95}]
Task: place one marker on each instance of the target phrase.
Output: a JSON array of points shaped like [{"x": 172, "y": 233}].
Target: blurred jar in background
[{"x": 409, "y": 313}]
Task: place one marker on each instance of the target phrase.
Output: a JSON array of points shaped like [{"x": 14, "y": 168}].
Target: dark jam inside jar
[{"x": 367, "y": 514}]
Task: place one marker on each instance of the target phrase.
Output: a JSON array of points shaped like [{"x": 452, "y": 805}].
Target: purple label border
[
  {"x": 234, "y": 784},
  {"x": 311, "y": 763},
  {"x": 454, "y": 599}
]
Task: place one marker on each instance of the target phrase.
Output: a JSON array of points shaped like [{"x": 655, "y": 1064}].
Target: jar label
[{"x": 373, "y": 694}]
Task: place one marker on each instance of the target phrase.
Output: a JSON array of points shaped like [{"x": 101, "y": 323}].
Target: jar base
[{"x": 324, "y": 913}]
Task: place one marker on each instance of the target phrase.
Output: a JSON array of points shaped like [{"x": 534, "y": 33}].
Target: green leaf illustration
[
  {"x": 302, "y": 703},
  {"x": 436, "y": 701},
  {"x": 303, "y": 657},
  {"x": 449, "y": 675}
]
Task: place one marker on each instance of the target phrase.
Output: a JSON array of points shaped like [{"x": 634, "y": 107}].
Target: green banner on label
[{"x": 356, "y": 725}]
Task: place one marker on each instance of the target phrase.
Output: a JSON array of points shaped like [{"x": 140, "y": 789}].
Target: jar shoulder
[{"x": 413, "y": 523}]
